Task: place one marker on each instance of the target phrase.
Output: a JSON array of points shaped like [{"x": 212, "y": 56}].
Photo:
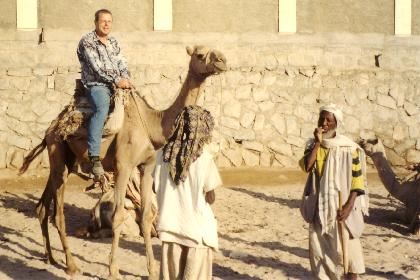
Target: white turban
[{"x": 333, "y": 108}]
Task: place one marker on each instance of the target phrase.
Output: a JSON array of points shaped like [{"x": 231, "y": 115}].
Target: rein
[{"x": 149, "y": 135}]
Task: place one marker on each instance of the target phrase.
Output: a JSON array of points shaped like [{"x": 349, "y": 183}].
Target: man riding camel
[{"x": 103, "y": 69}]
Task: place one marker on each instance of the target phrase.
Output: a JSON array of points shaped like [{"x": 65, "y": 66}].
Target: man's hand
[
  {"x": 124, "y": 83},
  {"x": 344, "y": 213},
  {"x": 210, "y": 197},
  {"x": 318, "y": 134}
]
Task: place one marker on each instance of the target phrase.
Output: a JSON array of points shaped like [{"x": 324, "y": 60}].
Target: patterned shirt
[{"x": 102, "y": 64}]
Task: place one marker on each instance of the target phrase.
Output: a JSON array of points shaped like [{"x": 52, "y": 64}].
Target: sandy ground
[{"x": 262, "y": 235}]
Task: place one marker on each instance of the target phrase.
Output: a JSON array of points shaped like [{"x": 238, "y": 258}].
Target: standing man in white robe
[
  {"x": 338, "y": 169},
  {"x": 185, "y": 178}
]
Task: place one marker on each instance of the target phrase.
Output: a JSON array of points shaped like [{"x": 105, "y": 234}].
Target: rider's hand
[
  {"x": 124, "y": 83},
  {"x": 129, "y": 84}
]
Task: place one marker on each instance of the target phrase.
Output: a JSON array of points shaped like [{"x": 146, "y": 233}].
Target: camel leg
[
  {"x": 55, "y": 189},
  {"x": 147, "y": 218},
  {"x": 415, "y": 222},
  {"x": 123, "y": 175},
  {"x": 42, "y": 210},
  {"x": 61, "y": 227}
]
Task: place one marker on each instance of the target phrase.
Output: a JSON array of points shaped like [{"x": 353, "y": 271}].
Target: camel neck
[
  {"x": 188, "y": 96},
  {"x": 389, "y": 179}
]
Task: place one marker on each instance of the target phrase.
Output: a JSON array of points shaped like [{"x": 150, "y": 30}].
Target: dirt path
[{"x": 262, "y": 235}]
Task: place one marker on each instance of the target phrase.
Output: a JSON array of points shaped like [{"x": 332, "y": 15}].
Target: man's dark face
[{"x": 327, "y": 122}]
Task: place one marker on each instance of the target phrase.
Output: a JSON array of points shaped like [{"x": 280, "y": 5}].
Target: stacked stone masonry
[{"x": 265, "y": 106}]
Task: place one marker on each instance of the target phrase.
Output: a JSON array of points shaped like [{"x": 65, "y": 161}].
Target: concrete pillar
[
  {"x": 27, "y": 14},
  {"x": 162, "y": 15},
  {"x": 402, "y": 17},
  {"x": 287, "y": 16}
]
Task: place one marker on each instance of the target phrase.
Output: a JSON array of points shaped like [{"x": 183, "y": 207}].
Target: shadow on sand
[
  {"x": 291, "y": 203},
  {"x": 272, "y": 245},
  {"x": 387, "y": 213},
  {"x": 289, "y": 269},
  {"x": 75, "y": 218},
  {"x": 17, "y": 269},
  {"x": 387, "y": 275},
  {"x": 226, "y": 273}
]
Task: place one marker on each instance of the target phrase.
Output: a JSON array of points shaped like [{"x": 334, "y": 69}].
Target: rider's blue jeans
[{"x": 99, "y": 97}]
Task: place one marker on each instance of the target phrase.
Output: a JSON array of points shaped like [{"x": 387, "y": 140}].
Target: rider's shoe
[{"x": 96, "y": 167}]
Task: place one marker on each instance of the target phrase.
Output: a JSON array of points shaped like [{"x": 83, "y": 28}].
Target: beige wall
[
  {"x": 129, "y": 15},
  {"x": 359, "y": 16},
  {"x": 415, "y": 17},
  {"x": 8, "y": 14},
  {"x": 223, "y": 15}
]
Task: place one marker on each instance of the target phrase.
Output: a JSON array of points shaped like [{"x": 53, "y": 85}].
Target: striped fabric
[{"x": 357, "y": 183}]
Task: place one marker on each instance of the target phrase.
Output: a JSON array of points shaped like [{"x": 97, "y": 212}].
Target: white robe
[
  {"x": 324, "y": 242},
  {"x": 184, "y": 215}
]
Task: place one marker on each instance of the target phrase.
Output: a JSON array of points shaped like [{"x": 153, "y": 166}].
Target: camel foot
[
  {"x": 415, "y": 226},
  {"x": 154, "y": 274},
  {"x": 115, "y": 276},
  {"x": 50, "y": 260},
  {"x": 114, "y": 272},
  {"x": 416, "y": 231},
  {"x": 72, "y": 270}
]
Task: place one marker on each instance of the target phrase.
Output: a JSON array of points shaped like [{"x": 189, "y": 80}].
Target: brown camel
[
  {"x": 405, "y": 190},
  {"x": 144, "y": 130}
]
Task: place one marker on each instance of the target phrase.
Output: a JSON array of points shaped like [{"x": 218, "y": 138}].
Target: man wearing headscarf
[
  {"x": 185, "y": 178},
  {"x": 337, "y": 168}
]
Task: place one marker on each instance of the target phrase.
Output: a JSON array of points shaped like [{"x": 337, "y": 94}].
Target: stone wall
[{"x": 265, "y": 106}]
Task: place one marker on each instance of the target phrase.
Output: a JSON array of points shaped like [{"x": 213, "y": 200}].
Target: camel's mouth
[
  {"x": 373, "y": 141},
  {"x": 219, "y": 67}
]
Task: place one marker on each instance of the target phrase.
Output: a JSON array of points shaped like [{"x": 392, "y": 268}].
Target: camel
[
  {"x": 144, "y": 130},
  {"x": 405, "y": 190}
]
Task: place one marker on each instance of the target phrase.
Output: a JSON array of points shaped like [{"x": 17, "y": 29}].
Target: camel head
[
  {"x": 206, "y": 62},
  {"x": 372, "y": 146}
]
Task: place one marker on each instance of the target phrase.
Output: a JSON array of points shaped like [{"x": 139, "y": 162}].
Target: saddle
[{"x": 74, "y": 119}]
